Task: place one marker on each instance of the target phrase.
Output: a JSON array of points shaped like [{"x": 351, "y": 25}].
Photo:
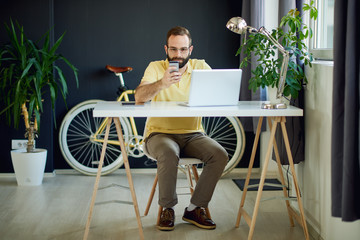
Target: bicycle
[{"x": 81, "y": 136}]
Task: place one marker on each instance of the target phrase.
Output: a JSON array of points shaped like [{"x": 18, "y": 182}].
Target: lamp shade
[{"x": 237, "y": 25}]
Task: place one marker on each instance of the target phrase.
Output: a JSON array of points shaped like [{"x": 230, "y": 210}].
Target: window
[{"x": 322, "y": 42}]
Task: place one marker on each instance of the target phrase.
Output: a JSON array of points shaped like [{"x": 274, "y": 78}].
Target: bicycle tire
[
  {"x": 77, "y": 145},
  {"x": 229, "y": 133}
]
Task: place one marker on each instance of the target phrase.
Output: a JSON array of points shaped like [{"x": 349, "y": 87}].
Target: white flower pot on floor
[{"x": 29, "y": 167}]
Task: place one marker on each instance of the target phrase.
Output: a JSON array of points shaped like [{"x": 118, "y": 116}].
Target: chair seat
[{"x": 189, "y": 161}]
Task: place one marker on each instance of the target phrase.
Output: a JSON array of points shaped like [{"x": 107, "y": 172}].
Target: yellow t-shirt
[{"x": 176, "y": 92}]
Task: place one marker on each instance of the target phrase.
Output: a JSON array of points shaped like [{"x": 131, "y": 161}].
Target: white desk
[
  {"x": 173, "y": 109},
  {"x": 114, "y": 110}
]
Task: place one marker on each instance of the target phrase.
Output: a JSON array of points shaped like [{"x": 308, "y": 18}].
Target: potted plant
[
  {"x": 28, "y": 71},
  {"x": 292, "y": 34}
]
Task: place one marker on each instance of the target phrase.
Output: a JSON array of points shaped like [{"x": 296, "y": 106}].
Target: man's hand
[
  {"x": 170, "y": 77},
  {"x": 146, "y": 91}
]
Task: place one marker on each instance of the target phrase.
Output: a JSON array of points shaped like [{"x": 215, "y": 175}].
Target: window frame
[{"x": 319, "y": 53}]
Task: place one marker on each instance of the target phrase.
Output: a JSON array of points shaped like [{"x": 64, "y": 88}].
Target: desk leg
[
  {"x": 251, "y": 163},
  {"x": 291, "y": 162},
  {"x": 251, "y": 221},
  {"x": 262, "y": 178},
  {"x": 277, "y": 156},
  {"x": 128, "y": 174},
  {"x": 97, "y": 180}
]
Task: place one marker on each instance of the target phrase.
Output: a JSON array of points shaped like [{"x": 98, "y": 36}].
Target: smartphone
[{"x": 174, "y": 64}]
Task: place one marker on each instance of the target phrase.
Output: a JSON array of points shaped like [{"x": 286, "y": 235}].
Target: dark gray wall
[
  {"x": 36, "y": 17},
  {"x": 121, "y": 33}
]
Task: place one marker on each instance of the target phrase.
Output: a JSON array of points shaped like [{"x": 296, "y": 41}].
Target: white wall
[{"x": 314, "y": 174}]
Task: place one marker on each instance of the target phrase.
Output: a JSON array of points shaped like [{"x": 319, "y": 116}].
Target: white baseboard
[
  {"x": 151, "y": 171},
  {"x": 47, "y": 174},
  {"x": 235, "y": 173}
]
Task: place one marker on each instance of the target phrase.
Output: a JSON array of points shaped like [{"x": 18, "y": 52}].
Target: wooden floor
[{"x": 58, "y": 209}]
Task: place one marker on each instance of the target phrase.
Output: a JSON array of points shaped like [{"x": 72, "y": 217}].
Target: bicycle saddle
[{"x": 118, "y": 69}]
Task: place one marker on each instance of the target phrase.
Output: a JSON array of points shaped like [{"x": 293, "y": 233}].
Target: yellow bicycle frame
[{"x": 123, "y": 97}]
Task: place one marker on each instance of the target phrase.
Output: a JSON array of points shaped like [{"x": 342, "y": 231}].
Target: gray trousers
[{"x": 168, "y": 148}]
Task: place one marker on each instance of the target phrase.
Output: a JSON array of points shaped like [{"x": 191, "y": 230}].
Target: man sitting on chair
[{"x": 168, "y": 138}]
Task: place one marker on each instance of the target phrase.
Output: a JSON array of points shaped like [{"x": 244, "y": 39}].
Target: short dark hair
[{"x": 178, "y": 31}]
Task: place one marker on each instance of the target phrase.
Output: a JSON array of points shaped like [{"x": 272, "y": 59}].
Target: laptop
[{"x": 215, "y": 87}]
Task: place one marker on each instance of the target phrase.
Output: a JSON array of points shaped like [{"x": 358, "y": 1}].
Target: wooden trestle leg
[{"x": 272, "y": 144}]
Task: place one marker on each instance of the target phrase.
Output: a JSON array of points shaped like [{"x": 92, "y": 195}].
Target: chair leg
[
  {"x": 189, "y": 178},
  {"x": 195, "y": 172},
  {"x": 191, "y": 186},
  {"x": 151, "y": 197},
  {"x": 159, "y": 214}
]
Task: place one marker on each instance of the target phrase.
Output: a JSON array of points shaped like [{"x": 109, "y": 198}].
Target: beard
[{"x": 182, "y": 61}]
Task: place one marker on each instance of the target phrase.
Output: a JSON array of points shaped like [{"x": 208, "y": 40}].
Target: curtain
[
  {"x": 345, "y": 177},
  {"x": 252, "y": 13},
  {"x": 295, "y": 126}
]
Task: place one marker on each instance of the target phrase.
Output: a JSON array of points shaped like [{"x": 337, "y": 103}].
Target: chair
[{"x": 190, "y": 165}]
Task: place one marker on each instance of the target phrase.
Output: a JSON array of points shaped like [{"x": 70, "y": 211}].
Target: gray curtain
[
  {"x": 295, "y": 126},
  {"x": 252, "y": 12},
  {"x": 345, "y": 167}
]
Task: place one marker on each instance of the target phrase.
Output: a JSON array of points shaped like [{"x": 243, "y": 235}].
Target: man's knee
[
  {"x": 222, "y": 155},
  {"x": 166, "y": 154},
  {"x": 219, "y": 155}
]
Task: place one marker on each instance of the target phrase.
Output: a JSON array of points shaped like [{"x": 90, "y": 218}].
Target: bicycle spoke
[
  {"x": 210, "y": 126},
  {"x": 93, "y": 154},
  {"x": 215, "y": 128},
  {"x": 88, "y": 118},
  {"x": 87, "y": 128},
  {"x": 88, "y": 156},
  {"x": 110, "y": 150},
  {"x": 80, "y": 150},
  {"x": 78, "y": 147},
  {"x": 82, "y": 121},
  {"x": 97, "y": 124},
  {"x": 227, "y": 143}
]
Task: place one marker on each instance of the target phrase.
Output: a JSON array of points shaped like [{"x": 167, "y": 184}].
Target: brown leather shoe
[
  {"x": 167, "y": 220},
  {"x": 199, "y": 218}
]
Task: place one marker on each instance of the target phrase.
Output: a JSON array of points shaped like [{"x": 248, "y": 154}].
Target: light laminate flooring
[{"x": 58, "y": 209}]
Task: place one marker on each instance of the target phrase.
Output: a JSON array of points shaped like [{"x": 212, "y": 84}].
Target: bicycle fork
[{"x": 134, "y": 145}]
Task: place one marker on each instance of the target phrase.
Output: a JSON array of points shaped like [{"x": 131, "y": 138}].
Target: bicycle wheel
[
  {"x": 229, "y": 132},
  {"x": 77, "y": 142}
]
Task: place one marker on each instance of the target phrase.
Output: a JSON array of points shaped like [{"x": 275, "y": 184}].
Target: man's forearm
[{"x": 146, "y": 92}]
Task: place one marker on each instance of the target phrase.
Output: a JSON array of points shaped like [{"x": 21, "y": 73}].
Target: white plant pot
[
  {"x": 272, "y": 96},
  {"x": 29, "y": 167}
]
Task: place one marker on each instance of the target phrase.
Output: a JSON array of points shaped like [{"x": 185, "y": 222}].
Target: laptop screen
[{"x": 215, "y": 87}]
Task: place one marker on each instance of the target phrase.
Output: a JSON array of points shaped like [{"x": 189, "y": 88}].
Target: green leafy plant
[
  {"x": 27, "y": 73},
  {"x": 292, "y": 35}
]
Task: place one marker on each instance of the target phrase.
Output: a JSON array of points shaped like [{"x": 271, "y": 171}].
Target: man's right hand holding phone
[{"x": 172, "y": 74}]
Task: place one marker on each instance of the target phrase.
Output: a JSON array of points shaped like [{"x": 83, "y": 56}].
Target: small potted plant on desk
[{"x": 27, "y": 73}]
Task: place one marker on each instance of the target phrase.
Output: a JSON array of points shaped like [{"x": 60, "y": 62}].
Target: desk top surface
[{"x": 173, "y": 109}]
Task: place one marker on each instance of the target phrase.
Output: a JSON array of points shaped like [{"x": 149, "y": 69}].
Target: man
[{"x": 169, "y": 138}]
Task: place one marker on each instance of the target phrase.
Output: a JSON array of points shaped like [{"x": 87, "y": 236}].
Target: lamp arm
[{"x": 285, "y": 62}]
